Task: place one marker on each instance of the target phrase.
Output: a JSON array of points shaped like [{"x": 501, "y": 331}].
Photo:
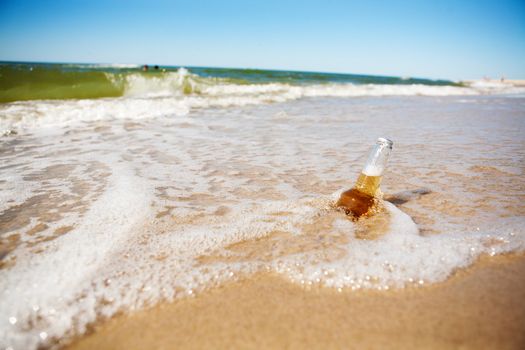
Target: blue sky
[{"x": 435, "y": 39}]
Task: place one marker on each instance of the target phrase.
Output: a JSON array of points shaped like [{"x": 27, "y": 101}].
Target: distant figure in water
[
  {"x": 156, "y": 67},
  {"x": 145, "y": 68}
]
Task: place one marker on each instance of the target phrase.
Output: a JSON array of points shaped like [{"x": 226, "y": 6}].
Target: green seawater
[{"x": 21, "y": 81}]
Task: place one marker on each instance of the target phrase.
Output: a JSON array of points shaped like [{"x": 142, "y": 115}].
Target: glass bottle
[{"x": 358, "y": 200}]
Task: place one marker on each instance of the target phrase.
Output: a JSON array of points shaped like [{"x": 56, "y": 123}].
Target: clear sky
[{"x": 437, "y": 39}]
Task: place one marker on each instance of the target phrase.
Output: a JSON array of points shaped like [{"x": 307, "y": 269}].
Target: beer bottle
[{"x": 357, "y": 201}]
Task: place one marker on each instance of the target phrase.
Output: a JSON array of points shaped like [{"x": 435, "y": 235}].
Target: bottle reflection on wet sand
[{"x": 360, "y": 199}]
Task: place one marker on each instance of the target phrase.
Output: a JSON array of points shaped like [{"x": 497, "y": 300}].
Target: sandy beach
[{"x": 479, "y": 308}]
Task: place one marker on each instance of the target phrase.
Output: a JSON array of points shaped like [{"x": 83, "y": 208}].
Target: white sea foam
[
  {"x": 402, "y": 256},
  {"x": 41, "y": 292}
]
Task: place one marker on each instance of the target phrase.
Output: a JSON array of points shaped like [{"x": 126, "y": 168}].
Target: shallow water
[{"x": 99, "y": 215}]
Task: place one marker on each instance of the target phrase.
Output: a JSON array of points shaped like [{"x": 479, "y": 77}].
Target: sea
[{"x": 122, "y": 188}]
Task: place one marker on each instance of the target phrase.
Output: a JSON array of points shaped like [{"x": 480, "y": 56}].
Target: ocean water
[{"x": 182, "y": 180}]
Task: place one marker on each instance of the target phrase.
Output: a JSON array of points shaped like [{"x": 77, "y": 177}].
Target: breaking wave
[{"x": 43, "y": 95}]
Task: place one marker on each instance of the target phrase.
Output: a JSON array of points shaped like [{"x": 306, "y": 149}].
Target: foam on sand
[
  {"x": 99, "y": 268},
  {"x": 42, "y": 295},
  {"x": 402, "y": 256}
]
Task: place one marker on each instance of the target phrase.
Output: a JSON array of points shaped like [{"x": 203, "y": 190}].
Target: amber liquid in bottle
[{"x": 358, "y": 200}]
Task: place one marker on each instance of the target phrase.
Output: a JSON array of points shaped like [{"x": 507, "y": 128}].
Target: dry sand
[{"x": 479, "y": 308}]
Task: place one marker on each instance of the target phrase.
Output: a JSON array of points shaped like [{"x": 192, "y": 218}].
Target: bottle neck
[
  {"x": 370, "y": 178},
  {"x": 378, "y": 158}
]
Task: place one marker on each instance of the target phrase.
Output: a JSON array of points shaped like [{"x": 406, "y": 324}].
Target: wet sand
[{"x": 478, "y": 308}]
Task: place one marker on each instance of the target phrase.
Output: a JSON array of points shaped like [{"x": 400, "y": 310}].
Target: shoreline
[{"x": 480, "y": 307}]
